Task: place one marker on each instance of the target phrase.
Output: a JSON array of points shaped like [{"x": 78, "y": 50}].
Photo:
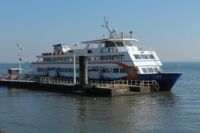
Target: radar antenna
[
  {"x": 112, "y": 31},
  {"x": 20, "y": 48}
]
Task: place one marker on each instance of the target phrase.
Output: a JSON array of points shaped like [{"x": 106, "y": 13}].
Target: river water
[{"x": 26, "y": 111}]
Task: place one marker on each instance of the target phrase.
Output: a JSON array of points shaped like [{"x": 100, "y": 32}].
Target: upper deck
[{"x": 121, "y": 37}]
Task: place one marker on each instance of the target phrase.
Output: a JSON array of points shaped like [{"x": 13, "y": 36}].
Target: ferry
[{"x": 113, "y": 58}]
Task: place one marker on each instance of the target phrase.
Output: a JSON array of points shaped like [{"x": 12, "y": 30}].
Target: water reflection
[
  {"x": 10, "y": 92},
  {"x": 33, "y": 111},
  {"x": 130, "y": 113},
  {"x": 166, "y": 99},
  {"x": 82, "y": 110}
]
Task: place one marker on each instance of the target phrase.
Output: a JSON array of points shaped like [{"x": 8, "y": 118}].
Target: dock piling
[{"x": 83, "y": 67}]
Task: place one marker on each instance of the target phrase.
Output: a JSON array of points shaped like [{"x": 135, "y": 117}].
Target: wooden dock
[
  {"x": 84, "y": 87},
  {"x": 93, "y": 88}
]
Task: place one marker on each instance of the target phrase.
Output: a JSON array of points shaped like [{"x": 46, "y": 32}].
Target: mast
[
  {"x": 112, "y": 31},
  {"x": 19, "y": 46},
  {"x": 74, "y": 55}
]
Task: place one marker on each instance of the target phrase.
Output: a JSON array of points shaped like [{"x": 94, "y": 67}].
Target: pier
[
  {"x": 83, "y": 86},
  {"x": 93, "y": 88}
]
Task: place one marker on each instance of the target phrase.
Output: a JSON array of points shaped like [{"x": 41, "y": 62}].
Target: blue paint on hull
[{"x": 165, "y": 80}]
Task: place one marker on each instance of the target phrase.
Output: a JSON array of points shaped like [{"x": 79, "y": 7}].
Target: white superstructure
[{"x": 112, "y": 58}]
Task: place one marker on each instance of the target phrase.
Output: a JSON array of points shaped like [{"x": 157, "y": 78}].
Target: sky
[{"x": 170, "y": 27}]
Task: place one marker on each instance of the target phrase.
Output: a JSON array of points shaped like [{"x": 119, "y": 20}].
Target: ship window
[
  {"x": 144, "y": 70},
  {"x": 150, "y": 56},
  {"x": 106, "y": 70},
  {"x": 122, "y": 70},
  {"x": 114, "y": 57},
  {"x": 58, "y": 69},
  {"x": 102, "y": 58},
  {"x": 110, "y": 57},
  {"x": 115, "y": 70},
  {"x": 89, "y": 51},
  {"x": 77, "y": 58},
  {"x": 96, "y": 58},
  {"x": 110, "y": 44},
  {"x": 92, "y": 58},
  {"x": 71, "y": 69},
  {"x": 95, "y": 69},
  {"x": 41, "y": 69},
  {"x": 144, "y": 56},
  {"x": 71, "y": 51},
  {"x": 150, "y": 70},
  {"x": 137, "y": 56},
  {"x": 121, "y": 57},
  {"x": 128, "y": 43},
  {"x": 119, "y": 44},
  {"x": 156, "y": 70},
  {"x": 66, "y": 69},
  {"x": 103, "y": 70},
  {"x": 70, "y": 59},
  {"x": 48, "y": 59}
]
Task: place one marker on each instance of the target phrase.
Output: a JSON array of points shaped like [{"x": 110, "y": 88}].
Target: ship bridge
[{"x": 119, "y": 44}]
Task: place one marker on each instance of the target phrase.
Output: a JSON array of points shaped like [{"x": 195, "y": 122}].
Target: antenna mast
[
  {"x": 19, "y": 46},
  {"x": 112, "y": 31}
]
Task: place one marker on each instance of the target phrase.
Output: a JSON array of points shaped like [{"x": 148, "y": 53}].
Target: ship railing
[
  {"x": 104, "y": 84},
  {"x": 125, "y": 83},
  {"x": 122, "y": 35},
  {"x": 156, "y": 86},
  {"x": 58, "y": 81},
  {"x": 4, "y": 76}
]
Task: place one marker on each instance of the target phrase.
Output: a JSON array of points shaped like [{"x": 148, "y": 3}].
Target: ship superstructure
[{"x": 116, "y": 57}]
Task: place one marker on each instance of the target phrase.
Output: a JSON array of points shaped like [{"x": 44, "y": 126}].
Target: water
[
  {"x": 4, "y": 67},
  {"x": 25, "y": 111}
]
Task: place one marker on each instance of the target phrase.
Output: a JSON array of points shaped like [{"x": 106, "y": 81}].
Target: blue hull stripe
[{"x": 165, "y": 80}]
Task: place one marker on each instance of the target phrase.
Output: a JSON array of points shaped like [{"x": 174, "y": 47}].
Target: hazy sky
[{"x": 170, "y": 27}]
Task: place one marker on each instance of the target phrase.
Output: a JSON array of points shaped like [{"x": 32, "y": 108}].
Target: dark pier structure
[{"x": 84, "y": 87}]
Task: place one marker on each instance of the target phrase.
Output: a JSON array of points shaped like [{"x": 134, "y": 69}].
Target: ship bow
[{"x": 165, "y": 80}]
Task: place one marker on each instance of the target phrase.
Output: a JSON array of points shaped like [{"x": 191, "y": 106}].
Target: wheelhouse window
[
  {"x": 128, "y": 43},
  {"x": 119, "y": 44},
  {"x": 110, "y": 44}
]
